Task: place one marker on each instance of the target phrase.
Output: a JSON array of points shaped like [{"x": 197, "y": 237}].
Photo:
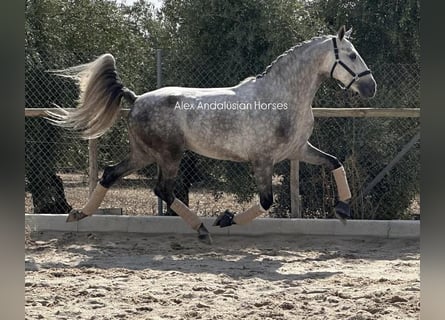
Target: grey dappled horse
[{"x": 262, "y": 120}]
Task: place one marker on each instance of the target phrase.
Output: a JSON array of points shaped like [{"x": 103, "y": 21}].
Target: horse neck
[{"x": 297, "y": 75}]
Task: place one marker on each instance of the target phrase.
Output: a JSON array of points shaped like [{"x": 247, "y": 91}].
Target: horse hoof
[
  {"x": 205, "y": 238},
  {"x": 204, "y": 235},
  {"x": 342, "y": 211},
  {"x": 75, "y": 215},
  {"x": 225, "y": 219}
]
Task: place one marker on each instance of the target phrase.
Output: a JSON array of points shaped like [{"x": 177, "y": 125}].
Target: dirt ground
[{"x": 139, "y": 276}]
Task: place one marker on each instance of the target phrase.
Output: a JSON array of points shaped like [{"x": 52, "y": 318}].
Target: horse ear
[
  {"x": 341, "y": 32},
  {"x": 348, "y": 33}
]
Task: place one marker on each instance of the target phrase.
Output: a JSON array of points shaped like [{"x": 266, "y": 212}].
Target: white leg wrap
[
  {"x": 95, "y": 200},
  {"x": 185, "y": 213},
  {"x": 249, "y": 214},
  {"x": 342, "y": 184}
]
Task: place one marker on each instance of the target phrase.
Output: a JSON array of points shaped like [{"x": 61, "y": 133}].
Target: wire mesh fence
[{"x": 57, "y": 160}]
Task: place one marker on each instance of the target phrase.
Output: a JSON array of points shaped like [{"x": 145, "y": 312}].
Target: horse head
[{"x": 348, "y": 66}]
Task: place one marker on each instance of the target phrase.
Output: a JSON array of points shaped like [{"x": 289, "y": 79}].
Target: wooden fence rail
[
  {"x": 318, "y": 112},
  {"x": 294, "y": 174}
]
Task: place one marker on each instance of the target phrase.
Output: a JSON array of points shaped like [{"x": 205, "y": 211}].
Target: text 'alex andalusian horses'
[{"x": 262, "y": 120}]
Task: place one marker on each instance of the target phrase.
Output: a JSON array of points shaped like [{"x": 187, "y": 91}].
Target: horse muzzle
[{"x": 367, "y": 88}]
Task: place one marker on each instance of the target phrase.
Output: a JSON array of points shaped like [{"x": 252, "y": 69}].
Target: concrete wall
[{"x": 159, "y": 225}]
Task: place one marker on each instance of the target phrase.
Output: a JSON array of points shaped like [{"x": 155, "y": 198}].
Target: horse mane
[{"x": 286, "y": 53}]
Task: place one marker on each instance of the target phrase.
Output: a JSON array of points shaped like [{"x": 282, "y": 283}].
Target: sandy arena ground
[{"x": 139, "y": 276}]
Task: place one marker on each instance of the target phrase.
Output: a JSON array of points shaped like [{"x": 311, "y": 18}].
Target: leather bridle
[{"x": 355, "y": 76}]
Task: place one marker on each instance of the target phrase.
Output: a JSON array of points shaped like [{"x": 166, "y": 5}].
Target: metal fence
[{"x": 379, "y": 148}]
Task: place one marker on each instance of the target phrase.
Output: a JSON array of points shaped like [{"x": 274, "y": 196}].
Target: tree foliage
[
  {"x": 239, "y": 33},
  {"x": 386, "y": 31}
]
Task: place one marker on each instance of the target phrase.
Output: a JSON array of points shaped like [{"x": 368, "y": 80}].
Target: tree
[{"x": 386, "y": 31}]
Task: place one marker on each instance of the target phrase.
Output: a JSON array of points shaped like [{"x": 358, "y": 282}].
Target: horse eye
[{"x": 353, "y": 56}]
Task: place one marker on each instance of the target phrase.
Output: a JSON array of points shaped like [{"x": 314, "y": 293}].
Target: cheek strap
[{"x": 355, "y": 76}]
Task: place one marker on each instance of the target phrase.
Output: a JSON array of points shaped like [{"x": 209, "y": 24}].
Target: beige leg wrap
[
  {"x": 342, "y": 184},
  {"x": 185, "y": 213},
  {"x": 249, "y": 214},
  {"x": 95, "y": 200}
]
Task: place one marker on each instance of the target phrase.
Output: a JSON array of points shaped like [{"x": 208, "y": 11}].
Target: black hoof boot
[
  {"x": 342, "y": 211},
  {"x": 225, "y": 219},
  {"x": 204, "y": 234}
]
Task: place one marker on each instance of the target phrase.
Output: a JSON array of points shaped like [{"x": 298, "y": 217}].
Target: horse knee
[{"x": 266, "y": 200}]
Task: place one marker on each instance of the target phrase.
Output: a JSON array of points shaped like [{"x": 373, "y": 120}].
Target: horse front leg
[
  {"x": 263, "y": 177},
  {"x": 312, "y": 155},
  {"x": 164, "y": 189}
]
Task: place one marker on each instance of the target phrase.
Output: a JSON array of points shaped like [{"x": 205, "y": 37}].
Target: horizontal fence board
[
  {"x": 367, "y": 112},
  {"x": 318, "y": 112}
]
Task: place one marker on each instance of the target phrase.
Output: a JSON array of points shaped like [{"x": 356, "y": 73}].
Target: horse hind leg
[
  {"x": 164, "y": 189},
  {"x": 109, "y": 177},
  {"x": 263, "y": 178}
]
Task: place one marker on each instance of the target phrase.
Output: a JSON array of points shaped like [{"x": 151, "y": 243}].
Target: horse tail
[{"x": 99, "y": 103}]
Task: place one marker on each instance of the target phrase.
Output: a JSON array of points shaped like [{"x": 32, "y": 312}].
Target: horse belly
[
  {"x": 216, "y": 134},
  {"x": 216, "y": 149}
]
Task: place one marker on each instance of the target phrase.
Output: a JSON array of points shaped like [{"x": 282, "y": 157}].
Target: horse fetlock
[
  {"x": 204, "y": 234},
  {"x": 225, "y": 219},
  {"x": 75, "y": 215},
  {"x": 108, "y": 178},
  {"x": 266, "y": 202}
]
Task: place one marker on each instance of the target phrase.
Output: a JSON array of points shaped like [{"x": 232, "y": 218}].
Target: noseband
[{"x": 355, "y": 76}]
